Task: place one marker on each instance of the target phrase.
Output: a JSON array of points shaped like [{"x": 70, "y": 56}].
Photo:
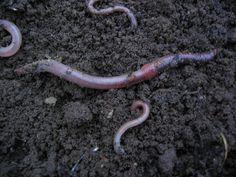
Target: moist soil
[{"x": 50, "y": 127}]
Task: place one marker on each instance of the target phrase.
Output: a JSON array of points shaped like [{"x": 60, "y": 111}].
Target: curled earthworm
[
  {"x": 130, "y": 124},
  {"x": 110, "y": 10},
  {"x": 146, "y": 72},
  {"x": 16, "y": 39}
]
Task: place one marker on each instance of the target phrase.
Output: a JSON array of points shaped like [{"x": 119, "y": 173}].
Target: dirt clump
[{"x": 76, "y": 113}]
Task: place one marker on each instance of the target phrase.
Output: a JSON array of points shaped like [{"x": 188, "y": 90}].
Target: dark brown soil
[{"x": 191, "y": 106}]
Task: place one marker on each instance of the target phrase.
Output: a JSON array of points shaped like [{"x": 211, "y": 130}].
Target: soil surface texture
[{"x": 50, "y": 127}]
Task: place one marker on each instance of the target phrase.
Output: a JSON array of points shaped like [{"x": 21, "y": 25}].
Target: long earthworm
[
  {"x": 109, "y": 10},
  {"x": 146, "y": 72},
  {"x": 130, "y": 124},
  {"x": 16, "y": 39}
]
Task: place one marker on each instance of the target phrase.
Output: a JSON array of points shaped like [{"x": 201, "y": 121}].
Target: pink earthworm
[
  {"x": 110, "y": 10},
  {"x": 146, "y": 110},
  {"x": 16, "y": 39},
  {"x": 146, "y": 72}
]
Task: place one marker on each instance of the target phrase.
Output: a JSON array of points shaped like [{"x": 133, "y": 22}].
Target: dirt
[{"x": 192, "y": 106}]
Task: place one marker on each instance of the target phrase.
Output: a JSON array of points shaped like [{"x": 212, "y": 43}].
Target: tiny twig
[{"x": 225, "y": 146}]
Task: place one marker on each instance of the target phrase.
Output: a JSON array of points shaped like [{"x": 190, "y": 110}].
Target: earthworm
[
  {"x": 130, "y": 124},
  {"x": 16, "y": 39},
  {"x": 146, "y": 72},
  {"x": 109, "y": 10}
]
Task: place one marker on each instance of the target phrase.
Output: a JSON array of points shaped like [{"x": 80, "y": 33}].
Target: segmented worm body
[
  {"x": 16, "y": 39},
  {"x": 109, "y": 10},
  {"x": 130, "y": 124},
  {"x": 147, "y": 72}
]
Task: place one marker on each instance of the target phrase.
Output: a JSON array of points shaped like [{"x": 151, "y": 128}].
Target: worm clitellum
[
  {"x": 130, "y": 124},
  {"x": 16, "y": 39},
  {"x": 109, "y": 10},
  {"x": 146, "y": 72}
]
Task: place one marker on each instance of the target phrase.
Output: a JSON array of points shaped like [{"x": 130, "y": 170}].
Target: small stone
[
  {"x": 96, "y": 149},
  {"x": 110, "y": 114},
  {"x": 50, "y": 100}
]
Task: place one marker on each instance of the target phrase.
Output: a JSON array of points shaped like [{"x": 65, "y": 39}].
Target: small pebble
[
  {"x": 95, "y": 149},
  {"x": 50, "y": 100},
  {"x": 110, "y": 114}
]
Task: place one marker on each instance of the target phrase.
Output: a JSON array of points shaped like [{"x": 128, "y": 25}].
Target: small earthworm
[
  {"x": 16, "y": 39},
  {"x": 110, "y": 10},
  {"x": 130, "y": 124},
  {"x": 146, "y": 72}
]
